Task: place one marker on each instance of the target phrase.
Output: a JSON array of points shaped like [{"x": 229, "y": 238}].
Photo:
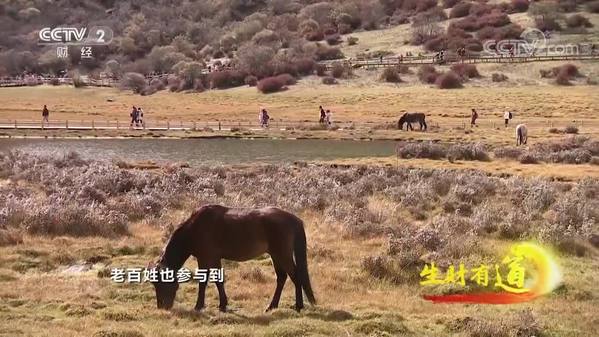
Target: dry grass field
[
  {"x": 373, "y": 106},
  {"x": 57, "y": 284}
]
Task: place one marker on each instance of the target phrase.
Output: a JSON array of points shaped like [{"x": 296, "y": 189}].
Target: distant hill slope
[{"x": 264, "y": 37}]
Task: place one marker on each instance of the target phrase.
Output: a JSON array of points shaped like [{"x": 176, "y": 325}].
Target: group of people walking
[
  {"x": 263, "y": 118},
  {"x": 326, "y": 117},
  {"x": 137, "y": 117},
  {"x": 507, "y": 116}
]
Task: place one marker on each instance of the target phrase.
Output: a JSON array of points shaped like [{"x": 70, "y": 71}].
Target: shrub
[
  {"x": 427, "y": 74},
  {"x": 498, "y": 77},
  {"x": 425, "y": 150},
  {"x": 450, "y": 3},
  {"x": 134, "y": 81},
  {"x": 251, "y": 80},
  {"x": 403, "y": 69},
  {"x": 337, "y": 70},
  {"x": 577, "y": 20},
  {"x": 390, "y": 75},
  {"x": 305, "y": 66},
  {"x": 286, "y": 79},
  {"x": 449, "y": 80},
  {"x": 333, "y": 39},
  {"x": 352, "y": 40},
  {"x": 78, "y": 82},
  {"x": 548, "y": 23},
  {"x": 270, "y": 85},
  {"x": 465, "y": 70},
  {"x": 329, "y": 80},
  {"x": 321, "y": 69},
  {"x": 528, "y": 158},
  {"x": 571, "y": 129},
  {"x": 563, "y": 79},
  {"x": 508, "y": 152},
  {"x": 520, "y": 5},
  {"x": 157, "y": 84},
  {"x": 569, "y": 70},
  {"x": 325, "y": 52},
  {"x": 226, "y": 79},
  {"x": 174, "y": 83},
  {"x": 593, "y": 6},
  {"x": 468, "y": 152},
  {"x": 460, "y": 10}
]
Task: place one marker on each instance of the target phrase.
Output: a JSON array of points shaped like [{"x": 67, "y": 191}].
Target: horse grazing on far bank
[
  {"x": 412, "y": 117},
  {"x": 521, "y": 134},
  {"x": 216, "y": 232}
]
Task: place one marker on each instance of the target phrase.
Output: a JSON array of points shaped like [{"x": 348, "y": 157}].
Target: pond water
[{"x": 206, "y": 151}]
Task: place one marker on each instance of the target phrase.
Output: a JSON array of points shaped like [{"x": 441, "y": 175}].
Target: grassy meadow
[{"x": 66, "y": 221}]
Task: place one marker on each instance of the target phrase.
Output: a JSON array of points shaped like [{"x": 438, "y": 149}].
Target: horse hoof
[
  {"x": 222, "y": 309},
  {"x": 198, "y": 309}
]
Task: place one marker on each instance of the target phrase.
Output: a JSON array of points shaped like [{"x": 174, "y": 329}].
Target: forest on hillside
[{"x": 263, "y": 37}]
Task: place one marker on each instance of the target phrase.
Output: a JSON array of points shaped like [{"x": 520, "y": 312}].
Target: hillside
[{"x": 267, "y": 37}]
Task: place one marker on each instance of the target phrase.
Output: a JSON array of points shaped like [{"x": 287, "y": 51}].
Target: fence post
[
  {"x": 219, "y": 126},
  {"x": 66, "y": 123},
  {"x": 117, "y": 124},
  {"x": 15, "y": 123},
  {"x": 93, "y": 125},
  {"x": 168, "y": 125},
  {"x": 195, "y": 127}
]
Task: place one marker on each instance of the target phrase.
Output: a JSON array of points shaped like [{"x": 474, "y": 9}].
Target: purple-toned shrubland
[{"x": 60, "y": 194}]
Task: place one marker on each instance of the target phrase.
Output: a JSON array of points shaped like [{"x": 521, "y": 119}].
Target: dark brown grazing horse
[
  {"x": 216, "y": 232},
  {"x": 412, "y": 117}
]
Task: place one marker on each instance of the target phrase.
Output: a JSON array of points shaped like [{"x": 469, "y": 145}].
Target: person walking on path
[
  {"x": 323, "y": 115},
  {"x": 133, "y": 114},
  {"x": 140, "y": 118},
  {"x": 45, "y": 114},
  {"x": 329, "y": 118},
  {"x": 473, "y": 117},
  {"x": 507, "y": 116}
]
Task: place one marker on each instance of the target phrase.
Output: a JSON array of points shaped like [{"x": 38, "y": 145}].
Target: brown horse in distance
[
  {"x": 216, "y": 232},
  {"x": 412, "y": 117}
]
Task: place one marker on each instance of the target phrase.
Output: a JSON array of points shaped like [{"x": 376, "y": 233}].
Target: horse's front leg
[
  {"x": 200, "y": 303},
  {"x": 222, "y": 296}
]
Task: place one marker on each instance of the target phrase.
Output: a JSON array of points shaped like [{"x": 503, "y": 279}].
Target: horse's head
[
  {"x": 165, "y": 291},
  {"x": 401, "y": 122}
]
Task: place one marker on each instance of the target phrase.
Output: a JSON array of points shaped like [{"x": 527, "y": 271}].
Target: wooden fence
[
  {"x": 165, "y": 125},
  {"x": 453, "y": 59}
]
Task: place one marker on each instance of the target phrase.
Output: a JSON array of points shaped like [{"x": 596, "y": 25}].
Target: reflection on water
[{"x": 206, "y": 151}]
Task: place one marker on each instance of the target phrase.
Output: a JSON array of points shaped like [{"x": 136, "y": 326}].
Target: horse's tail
[
  {"x": 519, "y": 135},
  {"x": 301, "y": 262}
]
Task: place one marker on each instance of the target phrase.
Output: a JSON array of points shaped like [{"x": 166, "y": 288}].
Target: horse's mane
[{"x": 174, "y": 245}]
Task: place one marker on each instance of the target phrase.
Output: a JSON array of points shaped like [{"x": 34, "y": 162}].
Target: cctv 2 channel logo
[{"x": 75, "y": 36}]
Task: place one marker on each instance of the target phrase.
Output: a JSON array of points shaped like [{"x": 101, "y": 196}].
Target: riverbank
[{"x": 487, "y": 134}]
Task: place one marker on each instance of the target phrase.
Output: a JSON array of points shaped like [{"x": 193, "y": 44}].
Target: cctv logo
[{"x": 75, "y": 36}]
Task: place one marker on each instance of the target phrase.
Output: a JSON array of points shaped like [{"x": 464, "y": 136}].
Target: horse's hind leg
[
  {"x": 281, "y": 279},
  {"x": 222, "y": 296},
  {"x": 289, "y": 267}
]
